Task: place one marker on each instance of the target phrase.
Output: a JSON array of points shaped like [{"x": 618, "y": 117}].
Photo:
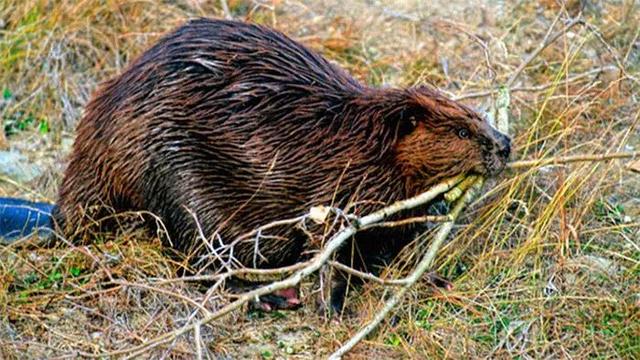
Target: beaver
[{"x": 224, "y": 126}]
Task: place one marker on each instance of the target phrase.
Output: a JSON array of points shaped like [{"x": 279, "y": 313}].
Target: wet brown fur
[{"x": 243, "y": 126}]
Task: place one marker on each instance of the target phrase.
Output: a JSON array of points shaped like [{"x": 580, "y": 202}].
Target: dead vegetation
[{"x": 545, "y": 263}]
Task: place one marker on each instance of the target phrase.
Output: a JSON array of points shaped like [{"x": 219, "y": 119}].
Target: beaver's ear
[
  {"x": 423, "y": 105},
  {"x": 410, "y": 107},
  {"x": 424, "y": 102},
  {"x": 407, "y": 122},
  {"x": 400, "y": 121},
  {"x": 413, "y": 112}
]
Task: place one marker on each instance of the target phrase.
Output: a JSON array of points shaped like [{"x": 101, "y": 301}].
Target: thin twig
[
  {"x": 239, "y": 273},
  {"x": 367, "y": 276},
  {"x": 411, "y": 220},
  {"x": 198, "y": 339},
  {"x": 569, "y": 159},
  {"x": 434, "y": 279},
  {"x": 162, "y": 291},
  {"x": 270, "y": 225}
]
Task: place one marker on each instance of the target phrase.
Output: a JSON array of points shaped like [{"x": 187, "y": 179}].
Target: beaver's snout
[{"x": 496, "y": 152}]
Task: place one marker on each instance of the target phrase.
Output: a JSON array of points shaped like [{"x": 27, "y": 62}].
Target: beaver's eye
[
  {"x": 413, "y": 121},
  {"x": 463, "y": 133}
]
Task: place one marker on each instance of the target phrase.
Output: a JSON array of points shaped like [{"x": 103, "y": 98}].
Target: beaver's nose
[
  {"x": 502, "y": 143},
  {"x": 505, "y": 146}
]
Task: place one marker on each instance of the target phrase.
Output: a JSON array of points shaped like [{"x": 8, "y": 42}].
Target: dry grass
[{"x": 546, "y": 265}]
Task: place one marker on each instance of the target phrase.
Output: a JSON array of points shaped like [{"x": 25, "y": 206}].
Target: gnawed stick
[
  {"x": 314, "y": 265},
  {"x": 420, "y": 269}
]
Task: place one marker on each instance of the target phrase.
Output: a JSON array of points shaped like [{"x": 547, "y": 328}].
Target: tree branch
[{"x": 313, "y": 265}]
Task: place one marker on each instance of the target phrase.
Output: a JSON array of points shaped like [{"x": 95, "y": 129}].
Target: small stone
[{"x": 18, "y": 167}]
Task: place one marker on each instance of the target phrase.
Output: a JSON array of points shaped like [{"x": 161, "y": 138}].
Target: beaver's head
[{"x": 440, "y": 138}]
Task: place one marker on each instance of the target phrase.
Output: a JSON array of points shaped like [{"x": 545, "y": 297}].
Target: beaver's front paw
[{"x": 284, "y": 299}]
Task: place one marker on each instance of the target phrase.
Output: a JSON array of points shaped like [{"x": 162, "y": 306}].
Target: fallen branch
[
  {"x": 420, "y": 269},
  {"x": 313, "y": 265}
]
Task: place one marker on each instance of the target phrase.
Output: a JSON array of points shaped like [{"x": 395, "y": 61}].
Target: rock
[{"x": 17, "y": 166}]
